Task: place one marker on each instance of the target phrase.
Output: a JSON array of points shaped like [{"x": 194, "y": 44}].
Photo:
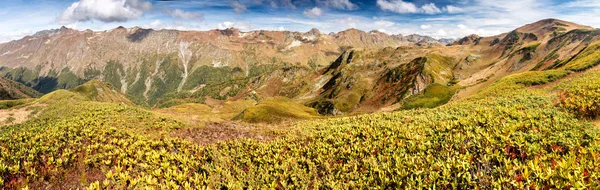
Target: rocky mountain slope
[
  {"x": 543, "y": 45},
  {"x": 147, "y": 64},
  {"x": 347, "y": 72}
]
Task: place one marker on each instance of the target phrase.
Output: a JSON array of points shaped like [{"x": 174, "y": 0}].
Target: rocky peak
[
  {"x": 314, "y": 32},
  {"x": 230, "y": 32},
  {"x": 51, "y": 31},
  {"x": 546, "y": 27},
  {"x": 468, "y": 40}
]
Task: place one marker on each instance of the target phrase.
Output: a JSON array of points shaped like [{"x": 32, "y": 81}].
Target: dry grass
[
  {"x": 201, "y": 114},
  {"x": 19, "y": 115}
]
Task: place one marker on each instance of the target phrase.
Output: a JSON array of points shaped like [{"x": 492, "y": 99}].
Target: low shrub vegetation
[
  {"x": 586, "y": 59},
  {"x": 581, "y": 95}
]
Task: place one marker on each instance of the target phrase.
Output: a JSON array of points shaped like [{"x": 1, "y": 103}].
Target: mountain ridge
[{"x": 167, "y": 67}]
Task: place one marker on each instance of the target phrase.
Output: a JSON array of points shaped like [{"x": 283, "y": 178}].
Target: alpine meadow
[{"x": 299, "y": 94}]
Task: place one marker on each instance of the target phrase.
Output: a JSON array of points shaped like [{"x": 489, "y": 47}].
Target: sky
[{"x": 435, "y": 18}]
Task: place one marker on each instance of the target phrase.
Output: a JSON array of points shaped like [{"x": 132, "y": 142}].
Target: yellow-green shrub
[
  {"x": 581, "y": 95},
  {"x": 588, "y": 58},
  {"x": 513, "y": 83}
]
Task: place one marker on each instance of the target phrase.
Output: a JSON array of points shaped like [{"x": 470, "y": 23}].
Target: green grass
[
  {"x": 7, "y": 104},
  {"x": 277, "y": 109},
  {"x": 433, "y": 96},
  {"x": 440, "y": 68},
  {"x": 60, "y": 96}
]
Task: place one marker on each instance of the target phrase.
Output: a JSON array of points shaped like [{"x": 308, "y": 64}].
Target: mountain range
[{"x": 339, "y": 73}]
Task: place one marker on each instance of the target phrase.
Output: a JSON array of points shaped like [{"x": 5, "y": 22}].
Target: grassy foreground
[{"x": 518, "y": 138}]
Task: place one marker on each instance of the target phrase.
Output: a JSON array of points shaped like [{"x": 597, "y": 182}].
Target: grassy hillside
[
  {"x": 11, "y": 90},
  {"x": 102, "y": 92},
  {"x": 200, "y": 114},
  {"x": 525, "y": 120},
  {"x": 433, "y": 96},
  {"x": 586, "y": 59},
  {"x": 518, "y": 138},
  {"x": 277, "y": 109}
]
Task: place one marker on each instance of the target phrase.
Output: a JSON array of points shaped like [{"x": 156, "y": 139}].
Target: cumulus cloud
[
  {"x": 403, "y": 7},
  {"x": 238, "y": 7},
  {"x": 104, "y": 10},
  {"x": 313, "y": 13},
  {"x": 441, "y": 33},
  {"x": 397, "y": 6},
  {"x": 384, "y": 23},
  {"x": 116, "y": 11},
  {"x": 245, "y": 26},
  {"x": 430, "y": 8},
  {"x": 14, "y": 35},
  {"x": 350, "y": 22},
  {"x": 453, "y": 9},
  {"x": 425, "y": 26},
  {"x": 338, "y": 4}
]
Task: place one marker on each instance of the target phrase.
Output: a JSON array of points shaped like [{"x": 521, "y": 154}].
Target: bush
[{"x": 581, "y": 95}]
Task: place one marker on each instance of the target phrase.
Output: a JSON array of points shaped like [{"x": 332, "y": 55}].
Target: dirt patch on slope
[{"x": 19, "y": 115}]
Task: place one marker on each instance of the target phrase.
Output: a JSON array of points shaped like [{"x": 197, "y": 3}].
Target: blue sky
[{"x": 436, "y": 18}]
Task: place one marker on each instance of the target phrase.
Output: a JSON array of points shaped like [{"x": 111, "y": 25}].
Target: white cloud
[
  {"x": 156, "y": 24},
  {"x": 465, "y": 31},
  {"x": 402, "y": 7},
  {"x": 238, "y": 7},
  {"x": 244, "y": 26},
  {"x": 453, "y": 9},
  {"x": 337, "y": 4},
  {"x": 104, "y": 10},
  {"x": 397, "y": 6},
  {"x": 15, "y": 35},
  {"x": 430, "y": 8},
  {"x": 313, "y": 13},
  {"x": 441, "y": 33},
  {"x": 384, "y": 23},
  {"x": 349, "y": 22},
  {"x": 425, "y": 26},
  {"x": 178, "y": 13}
]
